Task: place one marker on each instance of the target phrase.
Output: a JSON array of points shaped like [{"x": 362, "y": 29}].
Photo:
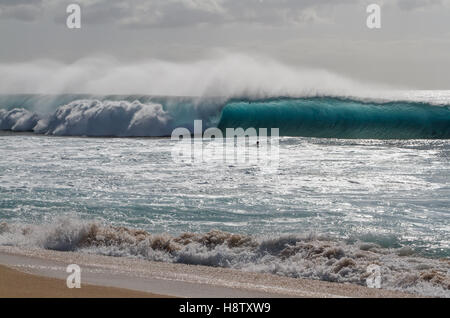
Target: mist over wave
[{"x": 227, "y": 75}]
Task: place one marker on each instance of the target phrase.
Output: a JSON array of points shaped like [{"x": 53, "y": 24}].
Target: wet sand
[
  {"x": 105, "y": 276},
  {"x": 16, "y": 284}
]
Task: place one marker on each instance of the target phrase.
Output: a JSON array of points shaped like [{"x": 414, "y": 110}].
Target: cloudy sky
[{"x": 411, "y": 50}]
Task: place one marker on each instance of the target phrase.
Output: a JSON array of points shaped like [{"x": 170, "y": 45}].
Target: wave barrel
[{"x": 340, "y": 118}]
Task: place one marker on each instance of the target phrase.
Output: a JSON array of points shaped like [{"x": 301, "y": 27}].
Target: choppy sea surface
[{"x": 329, "y": 210}]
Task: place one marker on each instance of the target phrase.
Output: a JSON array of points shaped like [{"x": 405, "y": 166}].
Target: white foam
[
  {"x": 294, "y": 256},
  {"x": 17, "y": 119},
  {"x": 107, "y": 118}
]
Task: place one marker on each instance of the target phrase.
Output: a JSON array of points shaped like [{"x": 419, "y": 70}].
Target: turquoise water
[{"x": 341, "y": 118}]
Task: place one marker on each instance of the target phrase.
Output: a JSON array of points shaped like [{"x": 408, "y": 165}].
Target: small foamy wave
[
  {"x": 131, "y": 117},
  {"x": 107, "y": 118},
  {"x": 18, "y": 119},
  {"x": 307, "y": 256},
  {"x": 93, "y": 118}
]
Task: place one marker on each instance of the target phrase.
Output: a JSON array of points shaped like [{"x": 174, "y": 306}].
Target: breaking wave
[
  {"x": 307, "y": 256},
  {"x": 18, "y": 119},
  {"x": 341, "y": 118},
  {"x": 113, "y": 116},
  {"x": 95, "y": 118},
  {"x": 136, "y": 116}
]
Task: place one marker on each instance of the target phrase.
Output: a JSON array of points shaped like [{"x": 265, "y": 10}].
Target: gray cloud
[
  {"x": 19, "y": 2},
  {"x": 179, "y": 13},
  {"x": 411, "y": 48},
  {"x": 175, "y": 13},
  {"x": 21, "y": 9},
  {"x": 156, "y": 13},
  {"x": 420, "y": 4}
]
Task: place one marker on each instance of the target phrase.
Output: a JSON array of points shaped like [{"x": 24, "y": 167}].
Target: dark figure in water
[{"x": 257, "y": 144}]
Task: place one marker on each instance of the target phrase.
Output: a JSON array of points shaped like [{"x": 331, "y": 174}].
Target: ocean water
[{"x": 378, "y": 193}]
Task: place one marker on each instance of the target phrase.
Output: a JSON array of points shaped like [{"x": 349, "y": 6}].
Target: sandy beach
[
  {"x": 17, "y": 284},
  {"x": 42, "y": 273}
]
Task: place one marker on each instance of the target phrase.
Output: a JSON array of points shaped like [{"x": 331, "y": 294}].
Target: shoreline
[
  {"x": 109, "y": 276},
  {"x": 18, "y": 284}
]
